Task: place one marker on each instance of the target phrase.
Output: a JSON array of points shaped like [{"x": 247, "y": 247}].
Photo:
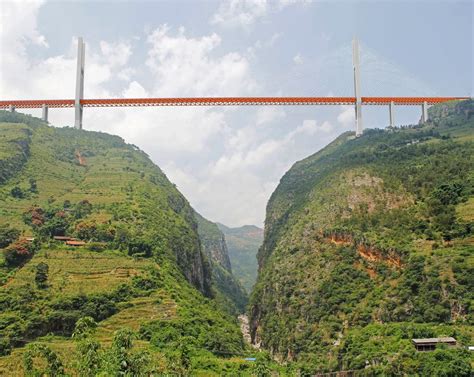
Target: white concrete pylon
[
  {"x": 79, "y": 83},
  {"x": 358, "y": 99},
  {"x": 391, "y": 111},
  {"x": 424, "y": 112},
  {"x": 44, "y": 115}
]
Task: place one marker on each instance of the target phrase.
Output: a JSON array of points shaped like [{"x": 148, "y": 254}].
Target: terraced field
[{"x": 77, "y": 271}]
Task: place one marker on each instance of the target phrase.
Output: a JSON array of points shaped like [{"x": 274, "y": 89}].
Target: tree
[
  {"x": 120, "y": 360},
  {"x": 90, "y": 361},
  {"x": 261, "y": 367},
  {"x": 86, "y": 230},
  {"x": 54, "y": 366},
  {"x": 41, "y": 277},
  {"x": 33, "y": 186},
  {"x": 18, "y": 253},
  {"x": 17, "y": 192},
  {"x": 82, "y": 209},
  {"x": 8, "y": 235},
  {"x": 140, "y": 248}
]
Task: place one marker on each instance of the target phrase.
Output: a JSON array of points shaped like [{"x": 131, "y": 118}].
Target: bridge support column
[
  {"x": 391, "y": 110},
  {"x": 79, "y": 84},
  {"x": 44, "y": 115},
  {"x": 424, "y": 112},
  {"x": 11, "y": 108},
  {"x": 358, "y": 99}
]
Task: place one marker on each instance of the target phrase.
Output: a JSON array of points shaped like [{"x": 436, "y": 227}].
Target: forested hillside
[
  {"x": 101, "y": 268},
  {"x": 243, "y": 243},
  {"x": 368, "y": 244}
]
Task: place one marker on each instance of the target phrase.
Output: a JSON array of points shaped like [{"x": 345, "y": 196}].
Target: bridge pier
[
  {"x": 391, "y": 109},
  {"x": 358, "y": 99},
  {"x": 424, "y": 112},
  {"x": 11, "y": 108},
  {"x": 79, "y": 84},
  {"x": 44, "y": 114}
]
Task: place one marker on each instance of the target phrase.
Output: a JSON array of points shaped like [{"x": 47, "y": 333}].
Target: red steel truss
[{"x": 224, "y": 101}]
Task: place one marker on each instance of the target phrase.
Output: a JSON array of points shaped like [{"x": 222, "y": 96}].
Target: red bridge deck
[{"x": 225, "y": 101}]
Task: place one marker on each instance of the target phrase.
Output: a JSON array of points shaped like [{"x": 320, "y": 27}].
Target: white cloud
[
  {"x": 116, "y": 54},
  {"x": 269, "y": 114},
  {"x": 244, "y": 13},
  {"x": 347, "y": 116},
  {"x": 126, "y": 74},
  {"x": 275, "y": 37},
  {"x": 18, "y": 30},
  {"x": 298, "y": 59},
  {"x": 184, "y": 66},
  {"x": 134, "y": 90},
  {"x": 310, "y": 127},
  {"x": 284, "y": 3},
  {"x": 241, "y": 13}
]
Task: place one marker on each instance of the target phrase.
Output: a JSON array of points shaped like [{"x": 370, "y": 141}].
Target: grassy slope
[
  {"x": 130, "y": 196},
  {"x": 116, "y": 178},
  {"x": 362, "y": 232},
  {"x": 243, "y": 244}
]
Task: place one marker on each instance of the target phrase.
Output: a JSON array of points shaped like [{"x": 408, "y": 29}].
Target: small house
[
  {"x": 75, "y": 243},
  {"x": 62, "y": 238},
  {"x": 429, "y": 344}
]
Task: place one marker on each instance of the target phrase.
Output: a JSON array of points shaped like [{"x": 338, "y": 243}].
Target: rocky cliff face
[
  {"x": 243, "y": 243},
  {"x": 213, "y": 242},
  {"x": 215, "y": 248},
  {"x": 370, "y": 230}
]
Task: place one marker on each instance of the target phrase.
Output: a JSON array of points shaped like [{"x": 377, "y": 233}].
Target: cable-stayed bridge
[{"x": 357, "y": 101}]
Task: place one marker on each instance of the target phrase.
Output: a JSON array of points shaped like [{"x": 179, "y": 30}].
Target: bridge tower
[
  {"x": 358, "y": 98},
  {"x": 79, "y": 83}
]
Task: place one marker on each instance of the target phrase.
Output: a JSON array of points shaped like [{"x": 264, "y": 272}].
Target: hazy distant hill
[
  {"x": 142, "y": 266},
  {"x": 369, "y": 243},
  {"x": 243, "y": 244}
]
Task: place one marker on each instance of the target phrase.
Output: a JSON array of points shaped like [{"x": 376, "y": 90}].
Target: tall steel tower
[
  {"x": 79, "y": 83},
  {"x": 358, "y": 98}
]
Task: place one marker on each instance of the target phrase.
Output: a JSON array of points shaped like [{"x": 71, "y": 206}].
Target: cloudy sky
[{"x": 228, "y": 161}]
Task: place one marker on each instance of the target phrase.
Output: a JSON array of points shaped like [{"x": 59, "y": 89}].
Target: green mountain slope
[
  {"x": 141, "y": 267},
  {"x": 243, "y": 243},
  {"x": 214, "y": 246},
  {"x": 369, "y": 243}
]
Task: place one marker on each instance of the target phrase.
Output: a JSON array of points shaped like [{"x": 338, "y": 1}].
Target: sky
[{"x": 227, "y": 161}]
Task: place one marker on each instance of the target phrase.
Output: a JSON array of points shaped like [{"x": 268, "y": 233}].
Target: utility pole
[
  {"x": 79, "y": 83},
  {"x": 358, "y": 99}
]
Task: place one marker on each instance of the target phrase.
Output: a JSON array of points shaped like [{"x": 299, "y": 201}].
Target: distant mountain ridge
[{"x": 243, "y": 243}]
